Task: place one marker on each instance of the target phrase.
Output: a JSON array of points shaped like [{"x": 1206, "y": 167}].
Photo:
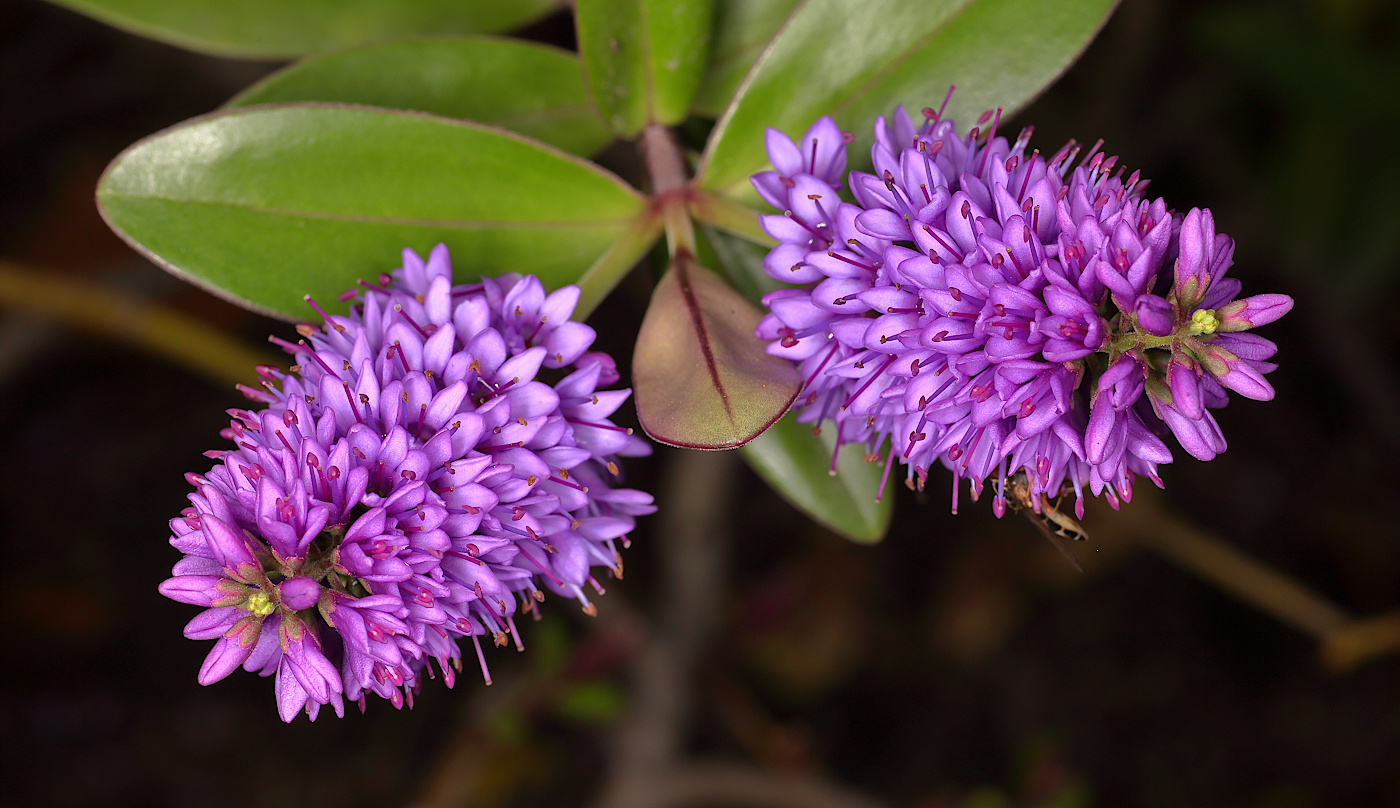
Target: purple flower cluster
[
  {"x": 410, "y": 483},
  {"x": 999, "y": 312}
]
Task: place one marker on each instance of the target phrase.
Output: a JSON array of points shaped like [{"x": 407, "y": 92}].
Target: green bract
[{"x": 702, "y": 381}]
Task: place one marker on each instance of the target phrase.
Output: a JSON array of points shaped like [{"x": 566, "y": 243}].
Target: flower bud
[
  {"x": 1185, "y": 383},
  {"x": 607, "y": 373},
  {"x": 1200, "y": 437},
  {"x": 1237, "y": 374},
  {"x": 1193, "y": 262},
  {"x": 299, "y": 593},
  {"x": 1154, "y": 315},
  {"x": 1242, "y": 315}
]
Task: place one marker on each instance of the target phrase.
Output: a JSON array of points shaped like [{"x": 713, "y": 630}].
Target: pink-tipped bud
[{"x": 1251, "y": 312}]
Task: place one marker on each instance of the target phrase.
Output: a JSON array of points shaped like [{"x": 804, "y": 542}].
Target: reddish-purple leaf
[{"x": 701, "y": 378}]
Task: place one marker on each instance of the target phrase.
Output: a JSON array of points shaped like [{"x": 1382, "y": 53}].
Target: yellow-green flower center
[
  {"x": 260, "y": 604},
  {"x": 1204, "y": 321}
]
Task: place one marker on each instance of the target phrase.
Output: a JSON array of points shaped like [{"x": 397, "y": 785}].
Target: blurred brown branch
[
  {"x": 648, "y": 769},
  {"x": 1346, "y": 641},
  {"x": 106, "y": 312},
  {"x": 692, "y": 538}
]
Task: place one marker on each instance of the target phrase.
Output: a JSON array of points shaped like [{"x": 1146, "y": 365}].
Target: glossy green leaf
[
  {"x": 856, "y": 66},
  {"x": 644, "y": 59},
  {"x": 279, "y": 29},
  {"x": 742, "y": 29},
  {"x": 797, "y": 465},
  {"x": 532, "y": 89},
  {"x": 265, "y": 204},
  {"x": 700, "y": 377}
]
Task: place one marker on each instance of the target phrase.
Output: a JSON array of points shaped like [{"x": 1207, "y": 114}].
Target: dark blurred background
[{"x": 958, "y": 663}]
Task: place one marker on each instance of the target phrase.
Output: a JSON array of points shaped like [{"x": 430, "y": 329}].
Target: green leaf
[
  {"x": 265, "y": 204},
  {"x": 644, "y": 59},
  {"x": 856, "y": 66},
  {"x": 797, "y": 465},
  {"x": 279, "y": 29},
  {"x": 700, "y": 376},
  {"x": 742, "y": 29},
  {"x": 532, "y": 89}
]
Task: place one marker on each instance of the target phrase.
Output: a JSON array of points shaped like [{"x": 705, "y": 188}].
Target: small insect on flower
[{"x": 1046, "y": 515}]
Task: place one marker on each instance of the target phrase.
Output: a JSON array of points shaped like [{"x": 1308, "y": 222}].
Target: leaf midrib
[{"x": 702, "y": 333}]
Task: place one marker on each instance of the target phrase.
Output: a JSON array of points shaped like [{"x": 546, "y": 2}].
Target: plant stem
[
  {"x": 670, "y": 185},
  {"x": 651, "y": 738}
]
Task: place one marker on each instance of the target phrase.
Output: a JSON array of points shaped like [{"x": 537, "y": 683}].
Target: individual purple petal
[
  {"x": 199, "y": 590},
  {"x": 566, "y": 342},
  {"x": 212, "y": 623},
  {"x": 291, "y": 697},
  {"x": 1246, "y": 346},
  {"x": 1244, "y": 379},
  {"x": 782, "y": 152},
  {"x": 771, "y": 188}
]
